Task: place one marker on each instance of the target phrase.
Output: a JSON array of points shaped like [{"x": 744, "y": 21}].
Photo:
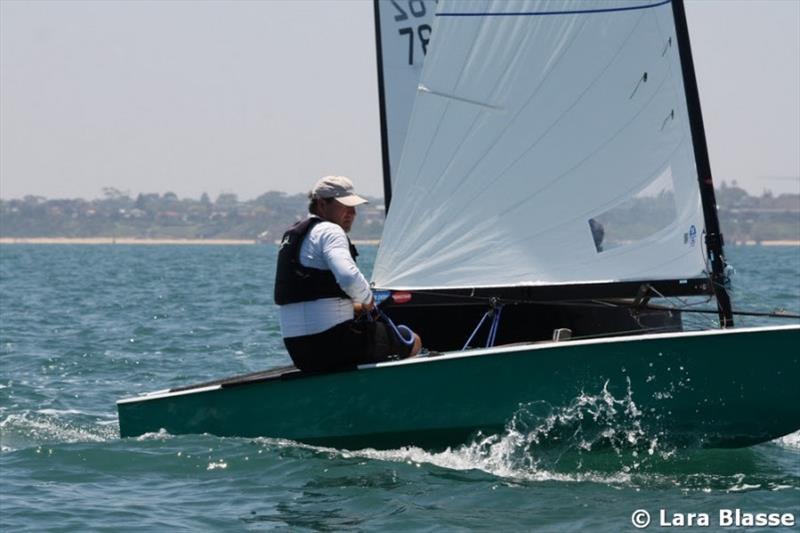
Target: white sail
[
  {"x": 534, "y": 123},
  {"x": 405, "y": 31}
]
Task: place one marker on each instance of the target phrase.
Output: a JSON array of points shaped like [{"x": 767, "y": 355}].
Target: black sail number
[
  {"x": 416, "y": 7},
  {"x": 424, "y": 33},
  {"x": 405, "y": 11}
]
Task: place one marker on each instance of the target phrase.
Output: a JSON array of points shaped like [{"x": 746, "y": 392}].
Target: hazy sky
[{"x": 250, "y": 96}]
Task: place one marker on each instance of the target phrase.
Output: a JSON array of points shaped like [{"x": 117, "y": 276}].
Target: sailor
[{"x": 320, "y": 290}]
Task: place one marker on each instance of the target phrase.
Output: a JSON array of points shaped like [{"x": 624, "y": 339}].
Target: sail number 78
[{"x": 416, "y": 9}]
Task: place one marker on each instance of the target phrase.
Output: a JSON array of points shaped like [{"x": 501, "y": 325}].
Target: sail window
[{"x": 649, "y": 211}]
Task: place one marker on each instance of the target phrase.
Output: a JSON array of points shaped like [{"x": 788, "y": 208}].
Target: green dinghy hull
[{"x": 718, "y": 388}]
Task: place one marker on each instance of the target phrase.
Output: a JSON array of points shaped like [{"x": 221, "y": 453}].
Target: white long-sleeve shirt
[{"x": 326, "y": 248}]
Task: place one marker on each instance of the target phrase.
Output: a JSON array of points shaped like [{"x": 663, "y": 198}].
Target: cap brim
[{"x": 351, "y": 200}]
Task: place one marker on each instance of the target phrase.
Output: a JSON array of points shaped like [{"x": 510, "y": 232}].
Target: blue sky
[{"x": 251, "y": 96}]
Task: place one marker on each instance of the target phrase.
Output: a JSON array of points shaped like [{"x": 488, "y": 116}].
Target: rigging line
[
  {"x": 558, "y": 119},
  {"x": 686, "y": 309},
  {"x": 397, "y": 330},
  {"x": 682, "y": 302},
  {"x": 685, "y": 304},
  {"x": 773, "y": 314},
  {"x": 487, "y": 299},
  {"x": 495, "y": 325},
  {"x": 548, "y": 13},
  {"x": 606, "y": 305},
  {"x": 475, "y": 331},
  {"x": 522, "y": 301},
  {"x": 659, "y": 294}
]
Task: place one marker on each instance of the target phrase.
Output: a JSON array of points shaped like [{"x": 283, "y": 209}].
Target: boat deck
[{"x": 273, "y": 374}]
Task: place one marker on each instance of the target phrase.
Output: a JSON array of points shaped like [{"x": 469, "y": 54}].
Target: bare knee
[{"x": 415, "y": 349}]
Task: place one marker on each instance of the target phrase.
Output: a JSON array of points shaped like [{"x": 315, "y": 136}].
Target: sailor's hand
[{"x": 360, "y": 308}]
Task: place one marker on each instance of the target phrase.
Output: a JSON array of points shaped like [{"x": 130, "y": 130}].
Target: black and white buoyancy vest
[{"x": 295, "y": 282}]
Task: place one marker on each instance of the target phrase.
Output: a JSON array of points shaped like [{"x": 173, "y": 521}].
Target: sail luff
[
  {"x": 387, "y": 171},
  {"x": 714, "y": 240}
]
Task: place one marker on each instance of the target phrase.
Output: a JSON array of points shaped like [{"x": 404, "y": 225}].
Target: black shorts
[{"x": 346, "y": 345}]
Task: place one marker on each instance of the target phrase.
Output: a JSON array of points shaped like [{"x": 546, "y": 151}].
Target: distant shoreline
[
  {"x": 141, "y": 241},
  {"x": 226, "y": 242},
  {"x": 223, "y": 242},
  {"x": 766, "y": 243}
]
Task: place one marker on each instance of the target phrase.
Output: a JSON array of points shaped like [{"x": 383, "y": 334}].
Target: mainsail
[{"x": 550, "y": 143}]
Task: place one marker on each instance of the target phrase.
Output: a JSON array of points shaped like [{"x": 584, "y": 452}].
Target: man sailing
[{"x": 319, "y": 289}]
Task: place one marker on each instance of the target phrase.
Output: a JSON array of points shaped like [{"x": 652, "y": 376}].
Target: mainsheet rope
[{"x": 401, "y": 331}]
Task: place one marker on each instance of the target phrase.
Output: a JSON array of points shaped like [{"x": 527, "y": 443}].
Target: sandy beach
[
  {"x": 132, "y": 240},
  {"x": 768, "y": 243},
  {"x": 119, "y": 240}
]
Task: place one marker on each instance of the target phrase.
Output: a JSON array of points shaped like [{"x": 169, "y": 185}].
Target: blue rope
[
  {"x": 493, "y": 330},
  {"x": 466, "y": 344},
  {"x": 490, "y": 338},
  {"x": 399, "y": 331}
]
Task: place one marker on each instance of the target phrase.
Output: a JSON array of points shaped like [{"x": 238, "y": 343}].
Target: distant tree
[
  {"x": 141, "y": 202},
  {"x": 227, "y": 199},
  {"x": 733, "y": 196},
  {"x": 112, "y": 193}
]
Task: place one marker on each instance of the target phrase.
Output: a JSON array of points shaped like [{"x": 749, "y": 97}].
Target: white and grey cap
[{"x": 338, "y": 187}]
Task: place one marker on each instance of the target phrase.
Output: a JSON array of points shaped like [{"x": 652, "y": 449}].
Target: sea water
[{"x": 85, "y": 325}]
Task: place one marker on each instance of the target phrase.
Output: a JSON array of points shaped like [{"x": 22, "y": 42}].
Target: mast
[
  {"x": 714, "y": 241},
  {"x": 387, "y": 171}
]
